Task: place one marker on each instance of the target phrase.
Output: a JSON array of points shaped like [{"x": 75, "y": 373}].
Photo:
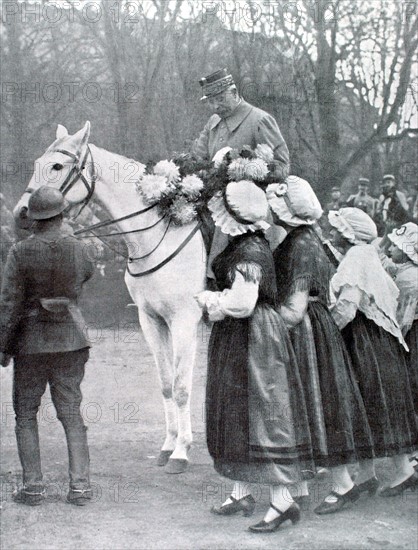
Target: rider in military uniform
[
  {"x": 42, "y": 329},
  {"x": 235, "y": 123}
]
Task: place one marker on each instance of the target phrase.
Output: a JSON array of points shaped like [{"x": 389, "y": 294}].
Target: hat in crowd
[
  {"x": 216, "y": 83},
  {"x": 406, "y": 239},
  {"x": 240, "y": 208},
  {"x": 46, "y": 202},
  {"x": 335, "y": 188},
  {"x": 294, "y": 202},
  {"x": 353, "y": 224},
  {"x": 364, "y": 181},
  {"x": 389, "y": 177}
]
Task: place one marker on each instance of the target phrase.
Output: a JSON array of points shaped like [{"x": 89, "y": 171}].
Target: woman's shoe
[
  {"x": 245, "y": 504},
  {"x": 371, "y": 485},
  {"x": 292, "y": 514},
  {"x": 410, "y": 483},
  {"x": 303, "y": 501},
  {"x": 331, "y": 507}
]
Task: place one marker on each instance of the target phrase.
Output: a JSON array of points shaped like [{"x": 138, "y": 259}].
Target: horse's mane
[
  {"x": 116, "y": 156},
  {"x": 61, "y": 141}
]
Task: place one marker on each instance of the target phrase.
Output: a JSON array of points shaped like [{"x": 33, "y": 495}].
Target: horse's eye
[{"x": 57, "y": 166}]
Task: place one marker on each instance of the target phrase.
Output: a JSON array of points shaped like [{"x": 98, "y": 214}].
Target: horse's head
[{"x": 62, "y": 166}]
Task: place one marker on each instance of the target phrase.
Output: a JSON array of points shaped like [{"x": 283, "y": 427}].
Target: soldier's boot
[
  {"x": 79, "y": 465},
  {"x": 33, "y": 491}
]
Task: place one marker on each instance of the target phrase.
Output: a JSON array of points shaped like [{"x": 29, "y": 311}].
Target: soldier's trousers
[{"x": 64, "y": 373}]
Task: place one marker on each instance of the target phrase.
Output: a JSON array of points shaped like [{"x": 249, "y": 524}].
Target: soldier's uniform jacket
[
  {"x": 364, "y": 202},
  {"x": 386, "y": 204},
  {"x": 42, "y": 283},
  {"x": 333, "y": 205},
  {"x": 247, "y": 125}
]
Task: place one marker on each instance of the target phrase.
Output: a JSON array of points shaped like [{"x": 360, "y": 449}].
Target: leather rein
[{"x": 75, "y": 174}]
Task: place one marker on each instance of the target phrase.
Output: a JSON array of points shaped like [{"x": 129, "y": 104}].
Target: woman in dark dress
[
  {"x": 257, "y": 425},
  {"x": 340, "y": 432},
  {"x": 365, "y": 311}
]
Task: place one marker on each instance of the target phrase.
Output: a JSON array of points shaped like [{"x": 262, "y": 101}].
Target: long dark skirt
[
  {"x": 412, "y": 361},
  {"x": 380, "y": 367},
  {"x": 257, "y": 425},
  {"x": 339, "y": 428}
]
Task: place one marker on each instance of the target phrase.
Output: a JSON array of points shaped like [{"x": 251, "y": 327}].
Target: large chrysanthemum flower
[
  {"x": 191, "y": 186},
  {"x": 152, "y": 187},
  {"x": 182, "y": 211},
  {"x": 265, "y": 152},
  {"x": 253, "y": 169},
  {"x": 168, "y": 169}
]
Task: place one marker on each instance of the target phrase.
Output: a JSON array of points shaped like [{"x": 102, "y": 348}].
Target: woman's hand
[{"x": 202, "y": 298}]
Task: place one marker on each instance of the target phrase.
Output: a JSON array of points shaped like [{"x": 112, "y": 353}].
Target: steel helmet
[{"x": 46, "y": 202}]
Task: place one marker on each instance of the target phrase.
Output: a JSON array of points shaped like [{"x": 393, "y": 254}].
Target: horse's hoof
[
  {"x": 163, "y": 458},
  {"x": 176, "y": 466}
]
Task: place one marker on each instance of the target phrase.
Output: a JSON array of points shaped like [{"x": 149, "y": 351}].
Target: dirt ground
[{"x": 136, "y": 504}]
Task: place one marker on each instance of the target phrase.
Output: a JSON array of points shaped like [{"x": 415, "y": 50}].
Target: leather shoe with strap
[
  {"x": 245, "y": 504},
  {"x": 292, "y": 514},
  {"x": 341, "y": 500},
  {"x": 410, "y": 483},
  {"x": 371, "y": 486}
]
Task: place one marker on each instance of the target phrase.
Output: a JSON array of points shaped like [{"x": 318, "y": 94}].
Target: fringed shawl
[
  {"x": 302, "y": 264},
  {"x": 362, "y": 270}
]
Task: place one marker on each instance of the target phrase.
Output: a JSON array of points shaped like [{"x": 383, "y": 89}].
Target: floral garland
[
  {"x": 183, "y": 186},
  {"x": 245, "y": 163},
  {"x": 175, "y": 187}
]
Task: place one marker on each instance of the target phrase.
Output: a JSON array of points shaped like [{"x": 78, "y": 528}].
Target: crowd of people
[
  {"x": 312, "y": 359},
  {"x": 336, "y": 347},
  {"x": 392, "y": 207},
  {"x": 325, "y": 340}
]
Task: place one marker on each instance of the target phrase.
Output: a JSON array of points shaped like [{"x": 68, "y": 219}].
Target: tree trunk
[{"x": 325, "y": 81}]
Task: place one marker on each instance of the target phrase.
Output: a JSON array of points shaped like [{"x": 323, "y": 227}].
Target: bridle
[{"x": 75, "y": 174}]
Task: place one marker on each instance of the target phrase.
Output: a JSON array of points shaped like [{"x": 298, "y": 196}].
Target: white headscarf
[
  {"x": 241, "y": 208},
  {"x": 294, "y": 202},
  {"x": 406, "y": 239},
  {"x": 353, "y": 224}
]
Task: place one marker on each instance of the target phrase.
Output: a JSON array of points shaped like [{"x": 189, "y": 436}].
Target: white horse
[{"x": 168, "y": 314}]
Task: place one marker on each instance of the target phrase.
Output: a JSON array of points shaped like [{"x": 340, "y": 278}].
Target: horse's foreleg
[
  {"x": 184, "y": 339},
  {"x": 157, "y": 335}
]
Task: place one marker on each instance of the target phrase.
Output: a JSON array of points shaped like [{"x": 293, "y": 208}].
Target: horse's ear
[
  {"x": 80, "y": 139},
  {"x": 62, "y": 131},
  {"x": 85, "y": 135}
]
